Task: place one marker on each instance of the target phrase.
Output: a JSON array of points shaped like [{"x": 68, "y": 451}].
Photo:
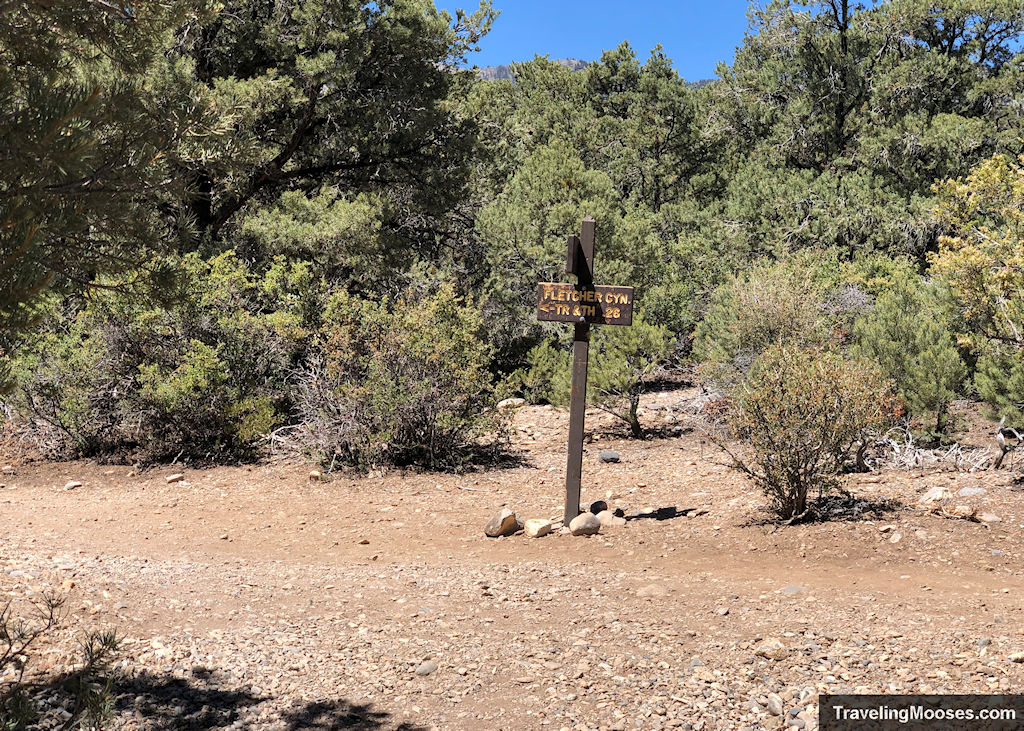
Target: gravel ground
[{"x": 250, "y": 597}]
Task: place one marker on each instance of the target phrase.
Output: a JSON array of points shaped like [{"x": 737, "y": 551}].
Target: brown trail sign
[{"x": 582, "y": 304}]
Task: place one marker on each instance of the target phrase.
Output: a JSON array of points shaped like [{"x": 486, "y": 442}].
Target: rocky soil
[{"x": 253, "y": 597}]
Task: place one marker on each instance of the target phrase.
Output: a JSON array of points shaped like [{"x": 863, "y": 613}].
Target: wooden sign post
[{"x": 583, "y": 304}]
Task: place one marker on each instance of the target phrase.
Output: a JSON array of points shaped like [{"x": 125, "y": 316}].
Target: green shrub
[
  {"x": 803, "y": 412},
  {"x": 622, "y": 360},
  {"x": 796, "y": 303},
  {"x": 999, "y": 378},
  {"x": 981, "y": 260},
  {"x": 402, "y": 382},
  {"x": 907, "y": 334},
  {"x": 199, "y": 372}
]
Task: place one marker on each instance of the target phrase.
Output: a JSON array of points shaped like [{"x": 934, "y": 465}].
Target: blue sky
[{"x": 696, "y": 34}]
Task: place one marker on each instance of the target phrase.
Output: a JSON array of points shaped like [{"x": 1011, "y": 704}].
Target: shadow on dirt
[
  {"x": 666, "y": 513},
  {"x": 838, "y": 507},
  {"x": 165, "y": 703}
]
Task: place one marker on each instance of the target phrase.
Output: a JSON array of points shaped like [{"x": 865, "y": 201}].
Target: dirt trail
[{"x": 251, "y": 597}]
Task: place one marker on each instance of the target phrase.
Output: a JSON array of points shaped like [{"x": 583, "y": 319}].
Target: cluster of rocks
[
  {"x": 941, "y": 501},
  {"x": 589, "y": 522}
]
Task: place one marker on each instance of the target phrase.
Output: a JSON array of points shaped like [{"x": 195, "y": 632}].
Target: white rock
[
  {"x": 608, "y": 519},
  {"x": 652, "y": 590},
  {"x": 537, "y": 527},
  {"x": 73, "y": 484},
  {"x": 989, "y": 518},
  {"x": 772, "y": 649},
  {"x": 972, "y": 491},
  {"x": 511, "y": 403},
  {"x": 175, "y": 478},
  {"x": 585, "y": 524},
  {"x": 935, "y": 494},
  {"x": 426, "y": 667}
]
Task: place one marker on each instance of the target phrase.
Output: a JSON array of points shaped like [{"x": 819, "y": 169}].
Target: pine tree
[{"x": 90, "y": 130}]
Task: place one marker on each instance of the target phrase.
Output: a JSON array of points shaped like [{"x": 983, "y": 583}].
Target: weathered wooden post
[{"x": 584, "y": 304}]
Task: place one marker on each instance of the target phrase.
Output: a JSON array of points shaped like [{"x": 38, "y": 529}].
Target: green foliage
[
  {"x": 337, "y": 150},
  {"x": 400, "y": 382},
  {"x": 619, "y": 141},
  {"x": 792, "y": 303},
  {"x": 201, "y": 374},
  {"x": 329, "y": 99},
  {"x": 803, "y": 411},
  {"x": 999, "y": 378},
  {"x": 907, "y": 334},
  {"x": 622, "y": 360},
  {"x": 835, "y": 118},
  {"x": 982, "y": 262},
  {"x": 92, "y": 124}
]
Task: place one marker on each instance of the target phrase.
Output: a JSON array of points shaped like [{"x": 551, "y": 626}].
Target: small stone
[
  {"x": 511, "y": 403},
  {"x": 989, "y": 518},
  {"x": 896, "y": 537},
  {"x": 972, "y": 491},
  {"x": 537, "y": 527},
  {"x": 885, "y": 528},
  {"x": 722, "y": 611},
  {"x": 175, "y": 478},
  {"x": 790, "y": 590},
  {"x": 774, "y": 704},
  {"x": 584, "y": 524},
  {"x": 772, "y": 649},
  {"x": 1017, "y": 657},
  {"x": 695, "y": 662},
  {"x": 426, "y": 668},
  {"x": 314, "y": 475},
  {"x": 364, "y": 542},
  {"x": 505, "y": 523},
  {"x": 796, "y": 722},
  {"x": 224, "y": 536},
  {"x": 984, "y": 642},
  {"x": 609, "y": 456},
  {"x": 72, "y": 485},
  {"x": 598, "y": 506},
  {"x": 653, "y": 590},
  {"x": 608, "y": 519},
  {"x": 935, "y": 494},
  {"x": 67, "y": 585}
]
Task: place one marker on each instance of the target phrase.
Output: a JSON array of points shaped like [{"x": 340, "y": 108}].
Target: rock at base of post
[
  {"x": 537, "y": 527},
  {"x": 585, "y": 524}
]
